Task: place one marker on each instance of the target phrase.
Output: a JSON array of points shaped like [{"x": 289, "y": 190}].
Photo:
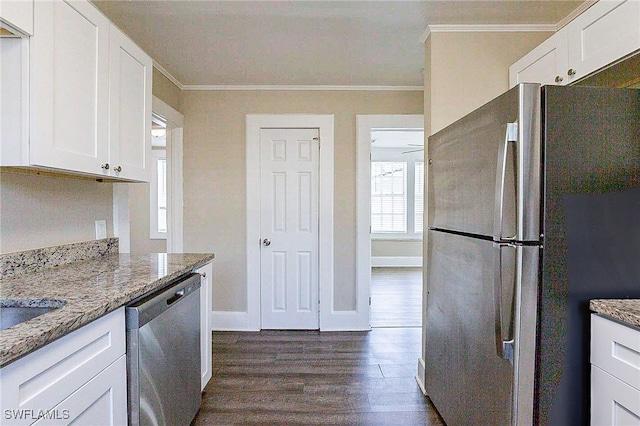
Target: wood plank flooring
[
  {"x": 313, "y": 378},
  {"x": 396, "y": 297}
]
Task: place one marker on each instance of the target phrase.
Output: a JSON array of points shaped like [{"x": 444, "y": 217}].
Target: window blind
[
  {"x": 419, "y": 196},
  {"x": 388, "y": 196}
]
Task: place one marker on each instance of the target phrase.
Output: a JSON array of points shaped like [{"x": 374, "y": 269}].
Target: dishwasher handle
[
  {"x": 177, "y": 296},
  {"x": 144, "y": 309}
]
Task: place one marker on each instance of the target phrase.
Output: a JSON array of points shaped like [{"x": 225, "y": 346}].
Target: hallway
[{"x": 396, "y": 297}]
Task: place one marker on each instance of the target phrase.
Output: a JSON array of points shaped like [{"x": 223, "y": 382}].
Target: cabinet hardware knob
[
  {"x": 204, "y": 275},
  {"x": 117, "y": 169},
  {"x": 558, "y": 79},
  {"x": 571, "y": 72},
  {"x": 105, "y": 166}
]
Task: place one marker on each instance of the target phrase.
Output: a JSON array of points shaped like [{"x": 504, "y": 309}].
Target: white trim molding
[
  {"x": 487, "y": 28},
  {"x": 364, "y": 125},
  {"x": 325, "y": 126},
  {"x": 167, "y": 74},
  {"x": 460, "y": 28},
  {"x": 230, "y": 321},
  {"x": 302, "y": 87},
  {"x": 396, "y": 261},
  {"x": 420, "y": 377}
]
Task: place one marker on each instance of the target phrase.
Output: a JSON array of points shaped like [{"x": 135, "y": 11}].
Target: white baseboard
[
  {"x": 230, "y": 321},
  {"x": 240, "y": 321},
  {"x": 420, "y": 376},
  {"x": 396, "y": 261},
  {"x": 344, "y": 321}
]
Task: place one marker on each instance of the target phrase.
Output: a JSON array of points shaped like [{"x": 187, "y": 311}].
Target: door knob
[{"x": 266, "y": 242}]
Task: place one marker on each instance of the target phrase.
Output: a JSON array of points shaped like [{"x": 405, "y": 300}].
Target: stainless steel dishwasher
[{"x": 163, "y": 355}]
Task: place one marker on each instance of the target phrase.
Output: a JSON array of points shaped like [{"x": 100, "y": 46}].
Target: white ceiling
[{"x": 306, "y": 42}]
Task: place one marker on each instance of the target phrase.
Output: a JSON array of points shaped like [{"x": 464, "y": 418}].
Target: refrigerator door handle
[
  {"x": 511, "y": 135},
  {"x": 504, "y": 341}
]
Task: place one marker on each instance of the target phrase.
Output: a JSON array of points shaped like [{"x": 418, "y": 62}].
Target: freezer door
[
  {"x": 484, "y": 170},
  {"x": 467, "y": 379},
  {"x": 480, "y": 330}
]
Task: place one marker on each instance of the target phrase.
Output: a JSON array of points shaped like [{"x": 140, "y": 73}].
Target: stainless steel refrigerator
[{"x": 533, "y": 210}]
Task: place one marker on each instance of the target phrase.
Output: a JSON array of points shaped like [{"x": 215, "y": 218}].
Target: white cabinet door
[
  {"x": 43, "y": 379},
  {"x": 130, "y": 73},
  {"x": 70, "y": 86},
  {"x": 613, "y": 402},
  {"x": 205, "y": 329},
  {"x": 101, "y": 401},
  {"x": 605, "y": 33},
  {"x": 546, "y": 64},
  {"x": 18, "y": 14}
]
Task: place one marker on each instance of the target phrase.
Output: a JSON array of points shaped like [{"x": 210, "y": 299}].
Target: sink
[{"x": 16, "y": 311}]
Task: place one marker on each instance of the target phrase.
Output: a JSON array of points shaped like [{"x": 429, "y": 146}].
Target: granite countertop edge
[
  {"x": 626, "y": 311},
  {"x": 108, "y": 287}
]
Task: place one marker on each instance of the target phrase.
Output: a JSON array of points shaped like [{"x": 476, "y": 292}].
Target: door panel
[
  {"x": 289, "y": 228},
  {"x": 466, "y": 379},
  {"x": 467, "y": 161}
]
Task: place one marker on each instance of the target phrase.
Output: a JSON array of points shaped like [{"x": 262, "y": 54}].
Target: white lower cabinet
[
  {"x": 79, "y": 378},
  {"x": 615, "y": 373},
  {"x": 205, "y": 329}
]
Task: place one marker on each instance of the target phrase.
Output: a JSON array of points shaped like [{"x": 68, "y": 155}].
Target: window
[
  {"x": 388, "y": 197},
  {"x": 397, "y": 194},
  {"x": 158, "y": 195},
  {"x": 419, "y": 196}
]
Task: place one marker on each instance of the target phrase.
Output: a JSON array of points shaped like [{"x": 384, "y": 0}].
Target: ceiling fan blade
[{"x": 413, "y": 150}]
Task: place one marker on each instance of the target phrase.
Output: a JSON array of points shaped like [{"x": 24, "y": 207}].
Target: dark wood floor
[
  {"x": 313, "y": 378},
  {"x": 396, "y": 297}
]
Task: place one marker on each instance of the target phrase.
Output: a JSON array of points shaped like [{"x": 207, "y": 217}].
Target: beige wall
[
  {"x": 39, "y": 211},
  {"x": 469, "y": 69},
  {"x": 165, "y": 90},
  {"x": 139, "y": 220},
  {"x": 395, "y": 248},
  {"x": 214, "y": 176}
]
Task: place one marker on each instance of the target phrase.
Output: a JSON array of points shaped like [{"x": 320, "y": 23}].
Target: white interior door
[{"x": 289, "y": 228}]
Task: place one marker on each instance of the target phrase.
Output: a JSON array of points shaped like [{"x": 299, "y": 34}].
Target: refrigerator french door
[{"x": 524, "y": 195}]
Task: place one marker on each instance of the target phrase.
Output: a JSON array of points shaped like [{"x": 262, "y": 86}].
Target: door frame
[
  {"x": 364, "y": 124},
  {"x": 121, "y": 216},
  {"x": 325, "y": 126}
]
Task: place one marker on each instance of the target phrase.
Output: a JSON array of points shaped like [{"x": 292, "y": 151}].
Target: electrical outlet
[{"x": 101, "y": 229}]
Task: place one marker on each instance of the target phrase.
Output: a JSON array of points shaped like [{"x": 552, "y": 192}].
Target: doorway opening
[{"x": 390, "y": 217}]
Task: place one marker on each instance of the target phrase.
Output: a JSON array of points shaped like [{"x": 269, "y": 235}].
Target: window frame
[
  {"x": 396, "y": 155},
  {"x": 154, "y": 234}
]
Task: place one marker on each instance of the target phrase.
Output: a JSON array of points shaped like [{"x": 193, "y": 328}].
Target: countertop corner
[{"x": 626, "y": 311}]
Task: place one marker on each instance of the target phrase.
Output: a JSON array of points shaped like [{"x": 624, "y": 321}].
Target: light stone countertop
[
  {"x": 626, "y": 311},
  {"x": 91, "y": 288}
]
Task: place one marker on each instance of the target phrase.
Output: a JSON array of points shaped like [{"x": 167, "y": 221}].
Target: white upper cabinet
[
  {"x": 70, "y": 87},
  {"x": 88, "y": 97},
  {"x": 130, "y": 71},
  {"x": 546, "y": 64},
  {"x": 605, "y": 33},
  {"x": 18, "y": 14}
]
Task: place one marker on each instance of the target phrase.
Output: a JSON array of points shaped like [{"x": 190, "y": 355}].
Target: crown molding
[
  {"x": 508, "y": 27},
  {"x": 206, "y": 87},
  {"x": 486, "y": 28},
  {"x": 577, "y": 11},
  {"x": 301, "y": 87},
  {"x": 167, "y": 74}
]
